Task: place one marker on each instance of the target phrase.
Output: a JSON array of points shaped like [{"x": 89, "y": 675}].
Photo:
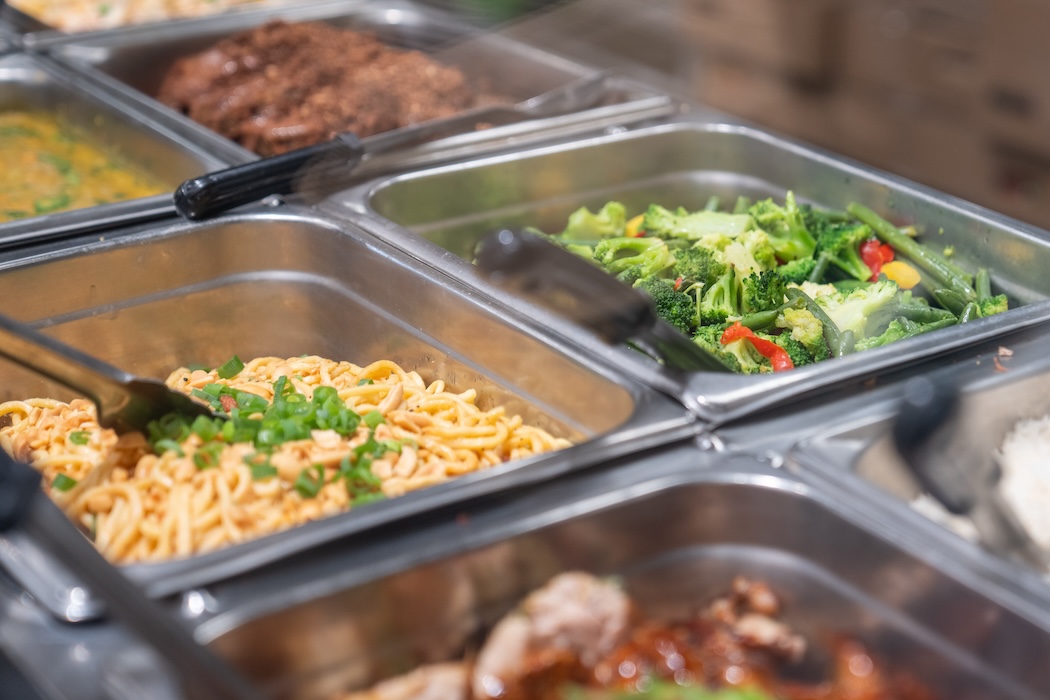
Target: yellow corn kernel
[
  {"x": 902, "y": 273},
  {"x": 634, "y": 225}
]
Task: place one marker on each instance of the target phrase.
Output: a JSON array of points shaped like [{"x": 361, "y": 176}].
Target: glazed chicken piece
[
  {"x": 560, "y": 632},
  {"x": 447, "y": 681}
]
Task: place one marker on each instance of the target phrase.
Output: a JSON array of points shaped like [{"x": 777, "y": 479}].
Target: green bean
[
  {"x": 922, "y": 313},
  {"x": 846, "y": 344},
  {"x": 950, "y": 300},
  {"x": 820, "y": 269},
  {"x": 760, "y": 320},
  {"x": 983, "y": 284},
  {"x": 850, "y": 285},
  {"x": 946, "y": 274},
  {"x": 969, "y": 312}
]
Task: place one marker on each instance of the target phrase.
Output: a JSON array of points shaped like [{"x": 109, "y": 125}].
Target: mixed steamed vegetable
[{"x": 770, "y": 286}]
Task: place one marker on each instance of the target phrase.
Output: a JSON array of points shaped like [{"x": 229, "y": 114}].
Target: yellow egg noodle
[
  {"x": 141, "y": 506},
  {"x": 89, "y": 15}
]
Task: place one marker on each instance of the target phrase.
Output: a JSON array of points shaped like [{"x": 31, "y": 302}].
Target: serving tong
[
  {"x": 327, "y": 167},
  {"x": 927, "y": 434},
  {"x": 532, "y": 267},
  {"x": 124, "y": 403}
]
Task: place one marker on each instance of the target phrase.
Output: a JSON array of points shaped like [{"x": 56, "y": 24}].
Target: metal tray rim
[
  {"x": 716, "y": 399},
  {"x": 654, "y": 421}
]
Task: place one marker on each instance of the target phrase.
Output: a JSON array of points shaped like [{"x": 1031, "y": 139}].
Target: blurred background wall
[{"x": 951, "y": 93}]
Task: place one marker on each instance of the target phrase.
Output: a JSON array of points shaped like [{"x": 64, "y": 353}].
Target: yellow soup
[{"x": 48, "y": 168}]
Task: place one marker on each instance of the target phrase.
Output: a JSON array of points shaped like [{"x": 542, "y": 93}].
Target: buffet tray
[
  {"x": 675, "y": 525},
  {"x": 850, "y": 443},
  {"x": 439, "y": 214},
  {"x": 134, "y": 60},
  {"x": 34, "y": 33},
  {"x": 288, "y": 283},
  {"x": 40, "y": 83}
]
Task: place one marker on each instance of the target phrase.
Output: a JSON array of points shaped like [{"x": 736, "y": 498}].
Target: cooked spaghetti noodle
[{"x": 198, "y": 495}]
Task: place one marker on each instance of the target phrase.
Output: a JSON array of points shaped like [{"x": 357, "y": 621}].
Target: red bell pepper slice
[
  {"x": 875, "y": 255},
  {"x": 777, "y": 355}
]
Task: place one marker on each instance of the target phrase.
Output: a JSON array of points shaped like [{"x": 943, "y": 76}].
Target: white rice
[{"x": 1025, "y": 461}]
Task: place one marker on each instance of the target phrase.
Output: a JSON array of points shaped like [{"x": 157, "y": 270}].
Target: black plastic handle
[{"x": 323, "y": 167}]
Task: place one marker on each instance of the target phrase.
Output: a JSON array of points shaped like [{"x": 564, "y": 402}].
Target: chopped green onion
[
  {"x": 79, "y": 437},
  {"x": 166, "y": 445},
  {"x": 251, "y": 403},
  {"x": 206, "y": 428},
  {"x": 374, "y": 418},
  {"x": 263, "y": 471},
  {"x": 231, "y": 368},
  {"x": 363, "y": 498},
  {"x": 62, "y": 482},
  {"x": 207, "y": 456},
  {"x": 364, "y": 382},
  {"x": 310, "y": 481}
]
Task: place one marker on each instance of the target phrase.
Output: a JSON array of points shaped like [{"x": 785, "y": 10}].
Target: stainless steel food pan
[
  {"x": 675, "y": 527},
  {"x": 439, "y": 214},
  {"x": 153, "y": 299},
  {"x": 34, "y": 33},
  {"x": 30, "y": 82},
  {"x": 850, "y": 442},
  {"x": 134, "y": 61}
]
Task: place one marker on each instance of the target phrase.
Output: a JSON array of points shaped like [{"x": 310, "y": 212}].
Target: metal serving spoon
[
  {"x": 965, "y": 481},
  {"x": 327, "y": 167},
  {"x": 124, "y": 402},
  {"x": 570, "y": 286}
]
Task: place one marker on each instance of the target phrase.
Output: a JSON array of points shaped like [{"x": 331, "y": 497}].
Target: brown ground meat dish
[{"x": 283, "y": 86}]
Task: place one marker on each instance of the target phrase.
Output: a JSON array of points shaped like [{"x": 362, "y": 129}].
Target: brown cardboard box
[
  {"x": 1015, "y": 97},
  {"x": 947, "y": 150},
  {"x": 1018, "y": 185},
  {"x": 768, "y": 99},
  {"x": 788, "y": 37},
  {"x": 929, "y": 47}
]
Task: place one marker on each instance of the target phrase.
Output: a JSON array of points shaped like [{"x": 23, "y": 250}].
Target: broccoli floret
[
  {"x": 841, "y": 244},
  {"x": 583, "y": 250},
  {"x": 897, "y": 330},
  {"x": 747, "y": 358},
  {"x": 710, "y": 338},
  {"x": 762, "y": 291},
  {"x": 786, "y": 227},
  {"x": 673, "y": 306},
  {"x": 750, "y": 252},
  {"x": 682, "y": 224},
  {"x": 992, "y": 305},
  {"x": 630, "y": 275},
  {"x": 619, "y": 254},
  {"x": 797, "y": 271},
  {"x": 584, "y": 225},
  {"x": 806, "y": 329},
  {"x": 798, "y": 353},
  {"x": 721, "y": 301},
  {"x": 864, "y": 311},
  {"x": 697, "y": 265}
]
